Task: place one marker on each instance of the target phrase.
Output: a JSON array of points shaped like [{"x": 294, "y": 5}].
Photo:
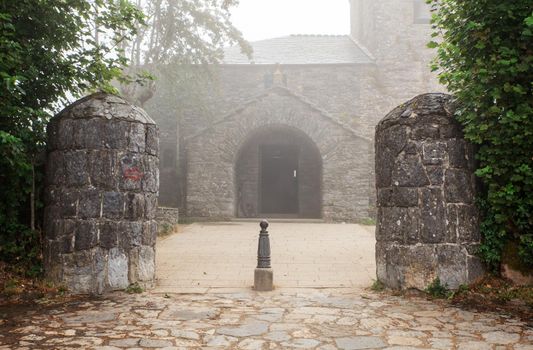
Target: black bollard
[
  {"x": 263, "y": 249},
  {"x": 264, "y": 276}
]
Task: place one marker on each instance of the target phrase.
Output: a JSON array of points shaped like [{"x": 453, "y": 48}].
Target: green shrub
[
  {"x": 48, "y": 52},
  {"x": 525, "y": 250},
  {"x": 19, "y": 243},
  {"x": 485, "y": 59}
]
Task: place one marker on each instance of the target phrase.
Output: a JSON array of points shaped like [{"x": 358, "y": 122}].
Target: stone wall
[
  {"x": 167, "y": 219},
  {"x": 347, "y": 92},
  {"x": 353, "y": 94},
  {"x": 212, "y": 154},
  {"x": 337, "y": 89},
  {"x": 427, "y": 222},
  {"x": 102, "y": 182},
  {"x": 356, "y": 94}
]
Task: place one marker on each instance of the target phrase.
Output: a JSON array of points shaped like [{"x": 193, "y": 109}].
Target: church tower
[
  {"x": 396, "y": 33},
  {"x": 361, "y": 12},
  {"x": 378, "y": 24}
]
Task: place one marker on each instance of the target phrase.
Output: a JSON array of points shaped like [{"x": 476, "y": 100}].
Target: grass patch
[
  {"x": 437, "y": 290},
  {"x": 463, "y": 288},
  {"x": 134, "y": 288},
  {"x": 377, "y": 286},
  {"x": 165, "y": 229},
  {"x": 367, "y": 222}
]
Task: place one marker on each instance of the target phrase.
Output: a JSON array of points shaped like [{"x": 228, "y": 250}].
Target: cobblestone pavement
[
  {"x": 304, "y": 255},
  {"x": 283, "y": 319}
]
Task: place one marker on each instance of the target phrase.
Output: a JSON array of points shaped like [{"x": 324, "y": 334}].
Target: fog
[
  {"x": 326, "y": 122},
  {"x": 302, "y": 109},
  {"x": 259, "y": 19}
]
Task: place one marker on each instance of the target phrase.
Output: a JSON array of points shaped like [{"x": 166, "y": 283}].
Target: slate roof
[{"x": 302, "y": 49}]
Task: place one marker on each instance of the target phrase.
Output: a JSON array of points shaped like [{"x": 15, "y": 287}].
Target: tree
[
  {"x": 185, "y": 34},
  {"x": 50, "y": 51},
  {"x": 485, "y": 58},
  {"x": 54, "y": 50}
]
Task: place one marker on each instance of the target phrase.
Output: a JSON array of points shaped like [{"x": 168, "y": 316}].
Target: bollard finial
[{"x": 264, "y": 224}]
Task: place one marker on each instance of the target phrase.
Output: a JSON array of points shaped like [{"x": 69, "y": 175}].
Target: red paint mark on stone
[{"x": 133, "y": 173}]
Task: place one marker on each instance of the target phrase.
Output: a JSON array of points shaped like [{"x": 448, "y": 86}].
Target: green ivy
[
  {"x": 49, "y": 53},
  {"x": 525, "y": 250},
  {"x": 485, "y": 58},
  {"x": 18, "y": 243}
]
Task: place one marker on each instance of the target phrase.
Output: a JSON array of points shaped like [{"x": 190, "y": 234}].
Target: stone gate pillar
[
  {"x": 102, "y": 184},
  {"x": 427, "y": 221}
]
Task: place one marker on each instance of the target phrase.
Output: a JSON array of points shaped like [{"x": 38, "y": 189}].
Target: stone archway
[{"x": 278, "y": 172}]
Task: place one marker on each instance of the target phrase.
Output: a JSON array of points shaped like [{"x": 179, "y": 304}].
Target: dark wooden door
[{"x": 279, "y": 179}]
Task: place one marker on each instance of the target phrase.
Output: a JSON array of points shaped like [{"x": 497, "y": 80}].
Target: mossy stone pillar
[
  {"x": 102, "y": 182},
  {"x": 427, "y": 222}
]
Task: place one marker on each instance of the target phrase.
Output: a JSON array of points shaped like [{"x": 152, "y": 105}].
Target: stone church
[{"x": 289, "y": 133}]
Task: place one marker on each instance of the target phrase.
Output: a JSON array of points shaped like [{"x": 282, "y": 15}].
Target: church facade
[{"x": 289, "y": 132}]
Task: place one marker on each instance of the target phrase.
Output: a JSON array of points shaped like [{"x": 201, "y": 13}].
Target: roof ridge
[
  {"x": 303, "y": 49},
  {"x": 365, "y": 50},
  {"x": 321, "y": 35}
]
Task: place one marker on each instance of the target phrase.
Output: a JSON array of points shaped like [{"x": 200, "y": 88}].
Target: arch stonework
[{"x": 211, "y": 156}]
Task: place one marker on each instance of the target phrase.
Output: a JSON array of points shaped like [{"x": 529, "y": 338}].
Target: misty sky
[{"x": 264, "y": 19}]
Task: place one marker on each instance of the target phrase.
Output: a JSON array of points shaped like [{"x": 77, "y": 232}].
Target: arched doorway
[
  {"x": 214, "y": 157},
  {"x": 278, "y": 173}
]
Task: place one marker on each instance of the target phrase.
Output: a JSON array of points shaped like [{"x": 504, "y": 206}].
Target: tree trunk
[{"x": 32, "y": 197}]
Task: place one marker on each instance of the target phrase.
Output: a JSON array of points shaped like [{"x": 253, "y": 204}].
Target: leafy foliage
[
  {"x": 185, "y": 33},
  {"x": 50, "y": 51},
  {"x": 17, "y": 241},
  {"x": 526, "y": 248},
  {"x": 54, "y": 50},
  {"x": 485, "y": 58}
]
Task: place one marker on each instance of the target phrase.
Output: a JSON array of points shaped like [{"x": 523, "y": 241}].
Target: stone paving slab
[
  {"x": 204, "y": 256},
  {"x": 290, "y": 319}
]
